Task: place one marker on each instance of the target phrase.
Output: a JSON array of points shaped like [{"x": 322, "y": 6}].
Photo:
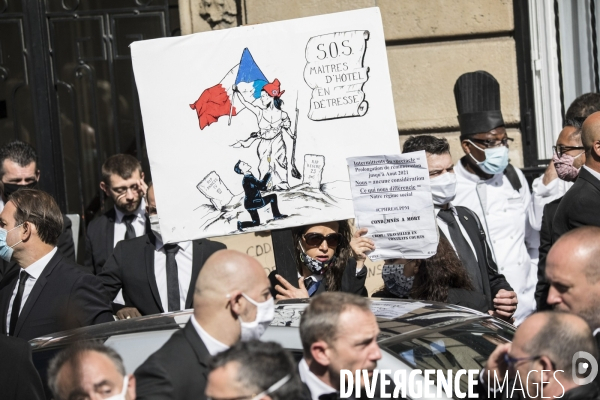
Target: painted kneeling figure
[{"x": 329, "y": 258}]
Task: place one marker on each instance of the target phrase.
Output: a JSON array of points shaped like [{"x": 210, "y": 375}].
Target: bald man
[
  {"x": 540, "y": 360},
  {"x": 231, "y": 301},
  {"x": 573, "y": 271},
  {"x": 580, "y": 205}
]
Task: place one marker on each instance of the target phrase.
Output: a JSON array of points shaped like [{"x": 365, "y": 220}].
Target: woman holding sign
[{"x": 330, "y": 258}]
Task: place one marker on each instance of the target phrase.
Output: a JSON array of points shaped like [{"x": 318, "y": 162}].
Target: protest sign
[
  {"x": 249, "y": 128},
  {"x": 392, "y": 199}
]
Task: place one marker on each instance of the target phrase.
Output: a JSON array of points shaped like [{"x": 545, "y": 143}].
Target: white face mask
[
  {"x": 154, "y": 225},
  {"x": 265, "y": 312},
  {"x": 121, "y": 396},
  {"x": 443, "y": 188}
]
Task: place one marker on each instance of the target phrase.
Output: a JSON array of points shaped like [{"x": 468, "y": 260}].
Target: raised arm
[{"x": 238, "y": 97}]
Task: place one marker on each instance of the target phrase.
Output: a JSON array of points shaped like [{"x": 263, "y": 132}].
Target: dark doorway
[{"x": 67, "y": 87}]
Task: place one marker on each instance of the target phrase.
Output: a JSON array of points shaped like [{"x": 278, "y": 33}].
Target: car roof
[{"x": 396, "y": 317}]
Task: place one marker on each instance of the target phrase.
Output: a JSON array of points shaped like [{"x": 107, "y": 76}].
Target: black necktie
[
  {"x": 464, "y": 251},
  {"x": 130, "y": 232},
  {"x": 330, "y": 396},
  {"x": 172, "y": 277},
  {"x": 16, "y": 308}
]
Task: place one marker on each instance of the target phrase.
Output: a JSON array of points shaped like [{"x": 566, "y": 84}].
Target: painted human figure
[
  {"x": 272, "y": 121},
  {"x": 253, "y": 199}
]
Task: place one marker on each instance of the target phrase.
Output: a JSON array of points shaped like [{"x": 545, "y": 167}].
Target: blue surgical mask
[
  {"x": 496, "y": 159},
  {"x": 6, "y": 251}
]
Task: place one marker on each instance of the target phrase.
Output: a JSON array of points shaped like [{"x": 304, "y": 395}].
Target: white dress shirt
[
  {"x": 506, "y": 215},
  {"x": 139, "y": 223},
  {"x": 316, "y": 386},
  {"x": 184, "y": 272},
  {"x": 213, "y": 346},
  {"x": 444, "y": 228},
  {"x": 34, "y": 271},
  {"x": 544, "y": 194}
]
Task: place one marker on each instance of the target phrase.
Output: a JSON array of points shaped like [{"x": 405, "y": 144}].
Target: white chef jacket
[
  {"x": 506, "y": 215},
  {"x": 544, "y": 194}
]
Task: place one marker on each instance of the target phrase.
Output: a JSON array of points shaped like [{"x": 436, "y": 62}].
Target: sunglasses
[{"x": 315, "y": 239}]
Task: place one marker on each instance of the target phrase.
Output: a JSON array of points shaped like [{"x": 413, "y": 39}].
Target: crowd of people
[{"x": 504, "y": 249}]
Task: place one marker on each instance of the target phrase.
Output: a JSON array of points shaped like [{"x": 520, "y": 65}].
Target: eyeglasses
[
  {"x": 315, "y": 239},
  {"x": 560, "y": 149},
  {"x": 512, "y": 361},
  {"x": 488, "y": 143}
]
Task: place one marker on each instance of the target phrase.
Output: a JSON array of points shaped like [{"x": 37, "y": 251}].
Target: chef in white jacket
[{"x": 494, "y": 189}]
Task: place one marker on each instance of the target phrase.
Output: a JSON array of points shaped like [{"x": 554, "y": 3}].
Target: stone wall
[{"x": 430, "y": 44}]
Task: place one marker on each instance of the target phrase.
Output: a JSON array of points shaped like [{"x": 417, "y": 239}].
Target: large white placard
[
  {"x": 291, "y": 100},
  {"x": 392, "y": 199}
]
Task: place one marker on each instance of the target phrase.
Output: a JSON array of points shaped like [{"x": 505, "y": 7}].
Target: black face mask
[{"x": 10, "y": 188}]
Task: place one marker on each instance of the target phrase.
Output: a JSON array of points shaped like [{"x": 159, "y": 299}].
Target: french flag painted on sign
[{"x": 217, "y": 101}]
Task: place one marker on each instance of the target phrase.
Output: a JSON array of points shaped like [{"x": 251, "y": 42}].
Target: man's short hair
[
  {"x": 260, "y": 366},
  {"x": 558, "y": 340},
  {"x": 320, "y": 319},
  {"x": 18, "y": 152},
  {"x": 431, "y": 144},
  {"x": 584, "y": 106},
  {"x": 237, "y": 168},
  {"x": 38, "y": 208},
  {"x": 72, "y": 356},
  {"x": 122, "y": 165}
]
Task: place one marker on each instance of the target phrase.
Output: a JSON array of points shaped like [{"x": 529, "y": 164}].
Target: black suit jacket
[
  {"x": 99, "y": 241},
  {"x": 65, "y": 245},
  {"x": 579, "y": 206},
  {"x": 351, "y": 281},
  {"x": 131, "y": 268},
  {"x": 178, "y": 370},
  {"x": 63, "y": 297},
  {"x": 18, "y": 377},
  {"x": 252, "y": 187},
  {"x": 542, "y": 287},
  {"x": 492, "y": 281}
]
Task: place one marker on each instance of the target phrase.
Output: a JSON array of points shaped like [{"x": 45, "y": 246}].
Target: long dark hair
[
  {"x": 277, "y": 102},
  {"x": 439, "y": 273},
  {"x": 335, "y": 271}
]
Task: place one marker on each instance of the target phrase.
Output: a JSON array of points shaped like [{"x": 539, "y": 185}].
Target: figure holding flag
[{"x": 272, "y": 121}]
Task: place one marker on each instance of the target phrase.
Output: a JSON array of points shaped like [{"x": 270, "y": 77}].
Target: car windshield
[{"x": 462, "y": 346}]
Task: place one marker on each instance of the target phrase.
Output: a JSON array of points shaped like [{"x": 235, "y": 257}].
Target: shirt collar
[
  {"x": 316, "y": 386},
  {"x": 437, "y": 209},
  {"x": 140, "y": 212},
  {"x": 591, "y": 171},
  {"x": 213, "y": 346},
  {"x": 314, "y": 277},
  {"x": 182, "y": 245},
  {"x": 36, "y": 269}
]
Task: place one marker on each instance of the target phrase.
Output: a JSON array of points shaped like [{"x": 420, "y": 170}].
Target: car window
[{"x": 466, "y": 346}]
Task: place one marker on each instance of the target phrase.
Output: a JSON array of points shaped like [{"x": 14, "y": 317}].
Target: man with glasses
[
  {"x": 581, "y": 204},
  {"x": 491, "y": 187},
  {"x": 568, "y": 158},
  {"x": 231, "y": 302},
  {"x": 542, "y": 361},
  {"x": 254, "y": 371},
  {"x": 123, "y": 182}
]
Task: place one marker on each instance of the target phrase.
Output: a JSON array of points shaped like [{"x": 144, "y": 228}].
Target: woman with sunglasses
[
  {"x": 441, "y": 278},
  {"x": 329, "y": 258}
]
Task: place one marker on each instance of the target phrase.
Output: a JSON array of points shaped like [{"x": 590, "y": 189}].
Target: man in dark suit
[
  {"x": 18, "y": 170},
  {"x": 253, "y": 199},
  {"x": 123, "y": 182},
  {"x": 144, "y": 269},
  {"x": 231, "y": 301},
  {"x": 580, "y": 205},
  {"x": 255, "y": 367},
  {"x": 462, "y": 227},
  {"x": 18, "y": 377},
  {"x": 47, "y": 293},
  {"x": 540, "y": 366}
]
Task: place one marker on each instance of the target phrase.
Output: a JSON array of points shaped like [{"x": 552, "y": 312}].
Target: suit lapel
[
  {"x": 37, "y": 290},
  {"x": 110, "y": 232},
  {"x": 7, "y": 294},
  {"x": 149, "y": 251},
  {"x": 197, "y": 262}
]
